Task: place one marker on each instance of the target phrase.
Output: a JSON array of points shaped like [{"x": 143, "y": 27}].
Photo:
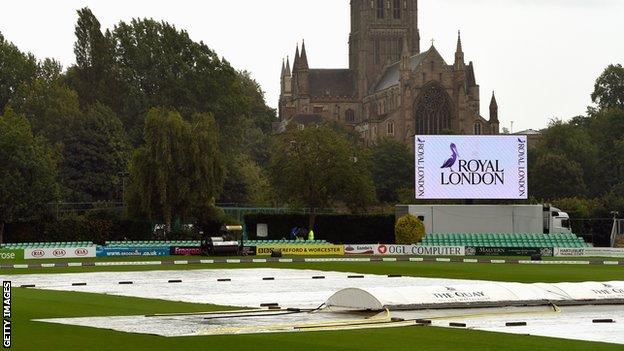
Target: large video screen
[{"x": 471, "y": 167}]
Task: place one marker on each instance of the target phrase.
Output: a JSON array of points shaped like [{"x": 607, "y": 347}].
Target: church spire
[
  {"x": 288, "y": 66},
  {"x": 493, "y": 109},
  {"x": 459, "y": 54},
  {"x": 283, "y": 68},
  {"x": 296, "y": 61},
  {"x": 304, "y": 57}
]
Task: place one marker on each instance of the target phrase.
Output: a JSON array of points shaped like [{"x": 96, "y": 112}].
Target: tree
[
  {"x": 95, "y": 155},
  {"x": 609, "y": 88},
  {"x": 179, "y": 168},
  {"x": 28, "y": 172},
  {"x": 607, "y": 131},
  {"x": 318, "y": 167},
  {"x": 17, "y": 68},
  {"x": 555, "y": 176},
  {"x": 575, "y": 142},
  {"x": 409, "y": 230},
  {"x": 246, "y": 183},
  {"x": 158, "y": 65},
  {"x": 392, "y": 169},
  {"x": 92, "y": 76},
  {"x": 48, "y": 103}
]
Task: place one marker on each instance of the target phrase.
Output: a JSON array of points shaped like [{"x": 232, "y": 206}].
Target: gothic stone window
[
  {"x": 432, "y": 110},
  {"x": 477, "y": 128},
  {"x": 390, "y": 128},
  {"x": 350, "y": 116},
  {"x": 397, "y": 9},
  {"x": 380, "y": 9}
]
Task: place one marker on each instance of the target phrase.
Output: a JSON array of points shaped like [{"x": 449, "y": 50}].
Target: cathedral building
[{"x": 391, "y": 89}]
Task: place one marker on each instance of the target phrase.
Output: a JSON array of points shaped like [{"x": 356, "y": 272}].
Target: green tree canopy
[
  {"x": 48, "y": 103},
  {"x": 28, "y": 171},
  {"x": 95, "y": 156},
  {"x": 318, "y": 167},
  {"x": 409, "y": 230},
  {"x": 392, "y": 169},
  {"x": 554, "y": 176},
  {"x": 179, "y": 168},
  {"x": 609, "y": 88},
  {"x": 16, "y": 68},
  {"x": 92, "y": 76}
]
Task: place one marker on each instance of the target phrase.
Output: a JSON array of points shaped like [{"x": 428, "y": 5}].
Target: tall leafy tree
[
  {"x": 92, "y": 76},
  {"x": 178, "y": 170},
  {"x": 609, "y": 88},
  {"x": 16, "y": 68},
  {"x": 48, "y": 103},
  {"x": 392, "y": 169},
  {"x": 28, "y": 171},
  {"x": 95, "y": 156},
  {"x": 319, "y": 167},
  {"x": 159, "y": 65},
  {"x": 575, "y": 142},
  {"x": 607, "y": 131},
  {"x": 555, "y": 176}
]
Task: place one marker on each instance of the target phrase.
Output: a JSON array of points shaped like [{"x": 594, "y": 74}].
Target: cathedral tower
[{"x": 379, "y": 29}]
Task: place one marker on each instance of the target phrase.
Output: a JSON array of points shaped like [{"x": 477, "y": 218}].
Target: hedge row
[
  {"x": 98, "y": 230},
  {"x": 338, "y": 229}
]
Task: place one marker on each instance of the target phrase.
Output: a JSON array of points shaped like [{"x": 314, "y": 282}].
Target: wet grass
[{"x": 482, "y": 271}]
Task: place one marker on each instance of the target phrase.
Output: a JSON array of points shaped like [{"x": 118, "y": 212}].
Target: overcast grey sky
[{"x": 540, "y": 56}]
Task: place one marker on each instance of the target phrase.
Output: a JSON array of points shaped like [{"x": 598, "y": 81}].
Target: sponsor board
[
  {"x": 588, "y": 252},
  {"x": 8, "y": 255},
  {"x": 509, "y": 251},
  {"x": 302, "y": 250},
  {"x": 60, "y": 252},
  {"x": 132, "y": 251},
  {"x": 471, "y": 167},
  {"x": 400, "y": 250},
  {"x": 186, "y": 251},
  {"x": 248, "y": 251}
]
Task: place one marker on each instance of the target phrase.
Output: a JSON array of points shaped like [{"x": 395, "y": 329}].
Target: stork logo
[
  {"x": 471, "y": 172},
  {"x": 451, "y": 161}
]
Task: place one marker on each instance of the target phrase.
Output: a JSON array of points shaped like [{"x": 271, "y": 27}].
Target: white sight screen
[{"x": 471, "y": 167}]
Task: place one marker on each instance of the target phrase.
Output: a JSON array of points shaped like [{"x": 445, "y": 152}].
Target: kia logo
[
  {"x": 81, "y": 252},
  {"x": 382, "y": 249},
  {"x": 38, "y": 253},
  {"x": 59, "y": 252}
]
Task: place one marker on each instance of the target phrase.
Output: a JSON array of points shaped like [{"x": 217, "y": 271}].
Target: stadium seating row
[
  {"x": 505, "y": 240},
  {"x": 60, "y": 244},
  {"x": 154, "y": 243}
]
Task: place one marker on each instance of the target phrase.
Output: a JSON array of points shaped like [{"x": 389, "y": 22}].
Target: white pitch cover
[{"x": 471, "y": 167}]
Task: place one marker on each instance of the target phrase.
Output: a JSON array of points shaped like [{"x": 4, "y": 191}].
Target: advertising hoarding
[
  {"x": 9, "y": 254},
  {"x": 133, "y": 251},
  {"x": 589, "y": 252},
  {"x": 303, "y": 250},
  {"x": 403, "y": 250},
  {"x": 471, "y": 167},
  {"x": 60, "y": 252}
]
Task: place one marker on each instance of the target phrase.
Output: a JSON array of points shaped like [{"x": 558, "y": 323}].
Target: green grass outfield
[
  {"x": 31, "y": 304},
  {"x": 485, "y": 271}
]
